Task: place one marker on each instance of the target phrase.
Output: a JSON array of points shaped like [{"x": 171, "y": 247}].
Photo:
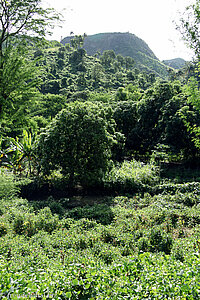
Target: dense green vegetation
[
  {"x": 176, "y": 63},
  {"x": 99, "y": 169},
  {"x": 125, "y": 44},
  {"x": 144, "y": 246}
]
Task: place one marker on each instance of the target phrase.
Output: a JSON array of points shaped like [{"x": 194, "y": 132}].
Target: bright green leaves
[
  {"x": 20, "y": 23},
  {"x": 19, "y": 156},
  {"x": 193, "y": 93},
  {"x": 131, "y": 177},
  {"x": 79, "y": 142},
  {"x": 190, "y": 117},
  {"x": 189, "y": 26},
  {"x": 17, "y": 83},
  {"x": 7, "y": 184},
  {"x": 24, "y": 17}
]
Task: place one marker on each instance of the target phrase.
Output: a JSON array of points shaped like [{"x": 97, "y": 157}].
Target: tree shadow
[{"x": 96, "y": 208}]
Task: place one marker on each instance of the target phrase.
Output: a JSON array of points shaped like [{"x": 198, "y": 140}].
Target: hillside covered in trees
[
  {"x": 176, "y": 63},
  {"x": 127, "y": 44},
  {"x": 99, "y": 165}
]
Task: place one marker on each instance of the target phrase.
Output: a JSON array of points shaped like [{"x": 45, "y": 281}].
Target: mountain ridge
[
  {"x": 125, "y": 44},
  {"x": 175, "y": 63}
]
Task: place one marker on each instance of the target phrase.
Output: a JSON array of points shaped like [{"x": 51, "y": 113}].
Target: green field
[{"x": 141, "y": 246}]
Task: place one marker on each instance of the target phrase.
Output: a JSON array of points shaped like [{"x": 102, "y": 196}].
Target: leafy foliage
[
  {"x": 23, "y": 18},
  {"x": 128, "y": 48},
  {"x": 19, "y": 156},
  {"x": 131, "y": 177},
  {"x": 189, "y": 26},
  {"x": 8, "y": 186},
  {"x": 21, "y": 23},
  {"x": 146, "y": 242},
  {"x": 17, "y": 86},
  {"x": 79, "y": 142}
]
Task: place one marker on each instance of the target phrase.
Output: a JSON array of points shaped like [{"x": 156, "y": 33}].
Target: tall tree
[
  {"x": 17, "y": 86},
  {"x": 19, "y": 21},
  {"x": 189, "y": 27},
  {"x": 78, "y": 142},
  {"x": 24, "y": 18}
]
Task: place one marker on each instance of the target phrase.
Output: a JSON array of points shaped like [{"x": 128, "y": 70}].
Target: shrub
[
  {"x": 3, "y": 227},
  {"x": 106, "y": 253},
  {"x": 143, "y": 244},
  {"x": 173, "y": 188},
  {"x": 178, "y": 253},
  {"x": 85, "y": 224},
  {"x": 29, "y": 223},
  {"x": 46, "y": 221},
  {"x": 18, "y": 222},
  {"x": 8, "y": 186},
  {"x": 160, "y": 241},
  {"x": 131, "y": 176},
  {"x": 100, "y": 212}
]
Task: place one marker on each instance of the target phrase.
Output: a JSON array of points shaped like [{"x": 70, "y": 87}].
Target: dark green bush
[
  {"x": 160, "y": 241},
  {"x": 102, "y": 213},
  {"x": 3, "y": 227}
]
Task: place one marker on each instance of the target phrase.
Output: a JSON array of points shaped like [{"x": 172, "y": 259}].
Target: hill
[
  {"x": 126, "y": 44},
  {"x": 176, "y": 63}
]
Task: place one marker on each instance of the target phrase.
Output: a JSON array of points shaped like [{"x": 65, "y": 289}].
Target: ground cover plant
[{"x": 144, "y": 246}]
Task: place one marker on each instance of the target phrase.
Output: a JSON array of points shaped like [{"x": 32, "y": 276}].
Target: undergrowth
[{"x": 141, "y": 246}]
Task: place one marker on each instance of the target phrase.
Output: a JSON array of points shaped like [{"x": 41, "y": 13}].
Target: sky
[{"x": 150, "y": 20}]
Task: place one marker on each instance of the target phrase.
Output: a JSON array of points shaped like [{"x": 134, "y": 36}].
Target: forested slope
[
  {"x": 125, "y": 44},
  {"x": 176, "y": 63}
]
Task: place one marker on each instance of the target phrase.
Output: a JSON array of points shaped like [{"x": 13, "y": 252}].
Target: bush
[
  {"x": 160, "y": 241},
  {"x": 131, "y": 177},
  {"x": 3, "y": 227},
  {"x": 100, "y": 212},
  {"x": 8, "y": 186},
  {"x": 30, "y": 223},
  {"x": 173, "y": 188},
  {"x": 46, "y": 221}
]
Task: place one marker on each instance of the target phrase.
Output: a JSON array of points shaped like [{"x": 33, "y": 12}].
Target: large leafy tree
[
  {"x": 190, "y": 29},
  {"x": 23, "y": 18},
  {"x": 78, "y": 142},
  {"x": 20, "y": 23},
  {"x": 17, "y": 87},
  {"x": 189, "y": 26},
  {"x": 156, "y": 119}
]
